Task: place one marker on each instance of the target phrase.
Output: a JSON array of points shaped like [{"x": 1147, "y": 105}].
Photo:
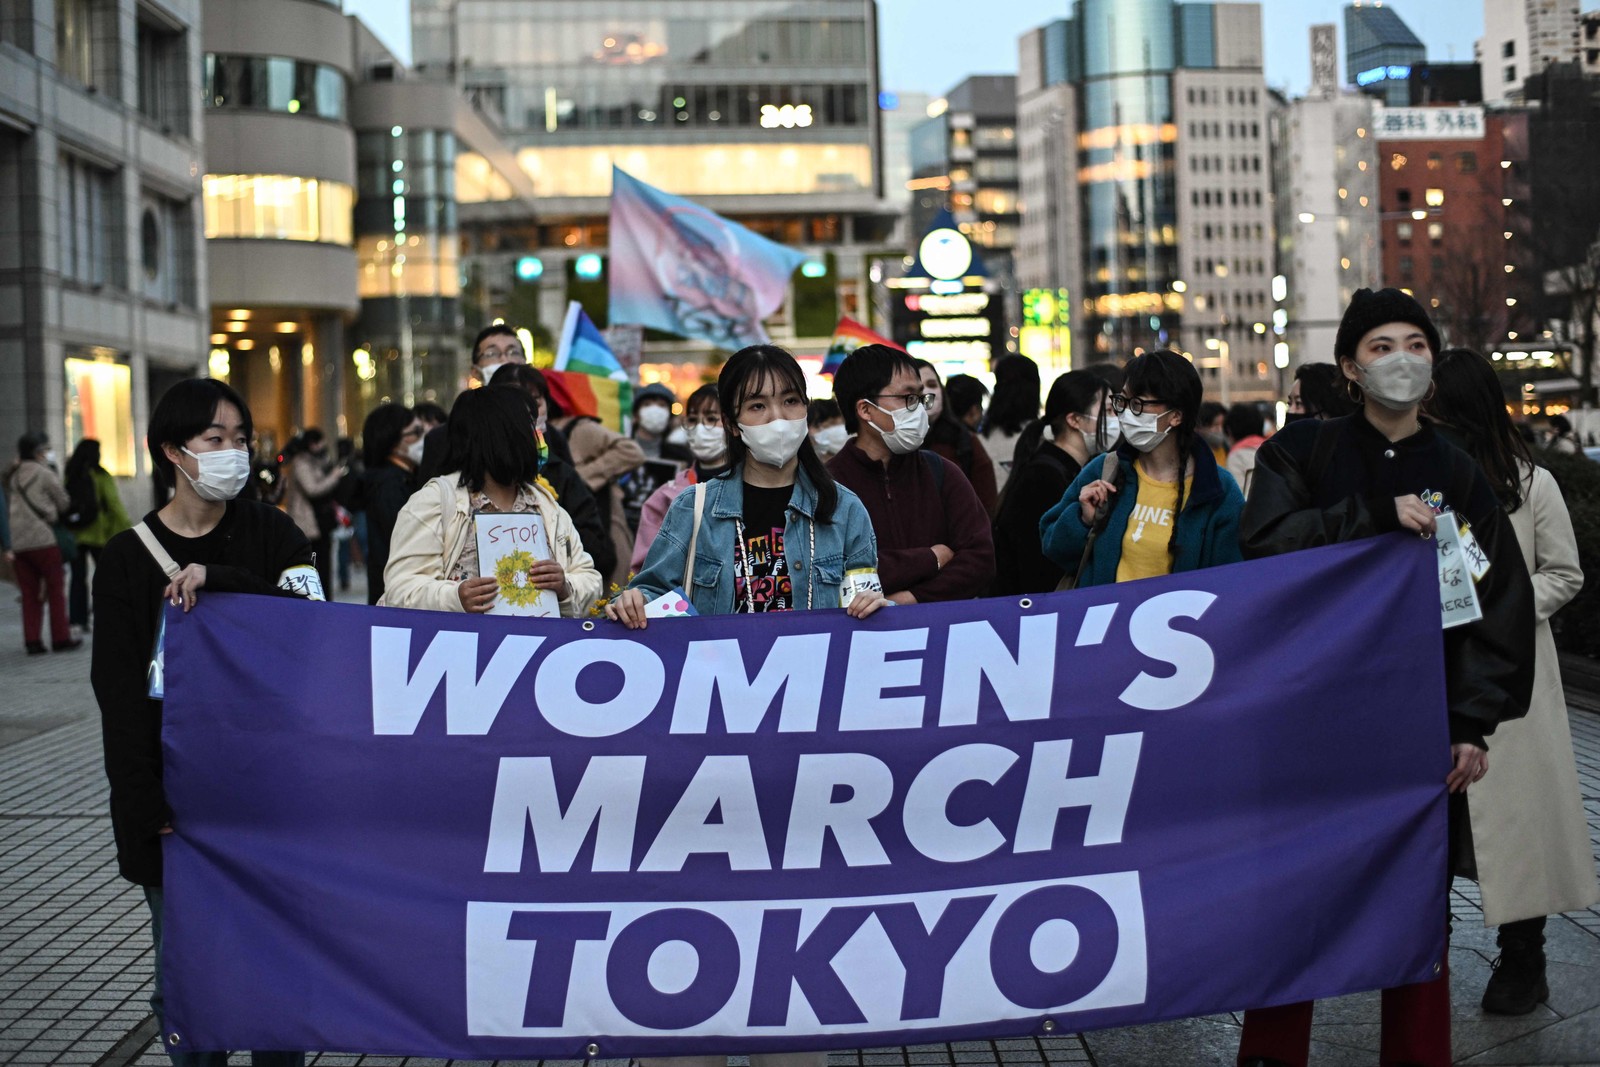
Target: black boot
[{"x": 1518, "y": 984}]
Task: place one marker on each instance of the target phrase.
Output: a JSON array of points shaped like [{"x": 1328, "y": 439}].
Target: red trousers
[
  {"x": 34, "y": 567},
  {"x": 1416, "y": 1027}
]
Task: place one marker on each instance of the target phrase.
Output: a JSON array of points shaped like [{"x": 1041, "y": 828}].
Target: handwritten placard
[
  {"x": 508, "y": 547},
  {"x": 1458, "y": 593}
]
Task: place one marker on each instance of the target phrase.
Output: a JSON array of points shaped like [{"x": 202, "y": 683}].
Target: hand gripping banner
[{"x": 480, "y": 837}]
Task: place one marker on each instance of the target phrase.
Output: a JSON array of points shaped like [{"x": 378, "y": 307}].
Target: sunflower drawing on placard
[{"x": 511, "y": 573}]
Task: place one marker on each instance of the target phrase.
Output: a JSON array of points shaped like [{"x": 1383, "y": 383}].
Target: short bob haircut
[
  {"x": 382, "y": 431},
  {"x": 864, "y": 374},
  {"x": 183, "y": 413},
  {"x": 770, "y": 369},
  {"x": 491, "y": 435}
]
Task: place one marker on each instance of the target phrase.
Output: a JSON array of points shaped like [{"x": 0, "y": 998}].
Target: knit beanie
[{"x": 1369, "y": 310}]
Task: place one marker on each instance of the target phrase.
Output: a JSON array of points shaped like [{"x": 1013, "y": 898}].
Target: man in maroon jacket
[{"x": 934, "y": 541}]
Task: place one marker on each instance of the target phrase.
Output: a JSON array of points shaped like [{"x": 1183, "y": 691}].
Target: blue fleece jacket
[{"x": 1207, "y": 528}]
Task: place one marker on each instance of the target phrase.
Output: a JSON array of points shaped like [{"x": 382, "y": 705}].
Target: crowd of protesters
[{"x": 748, "y": 496}]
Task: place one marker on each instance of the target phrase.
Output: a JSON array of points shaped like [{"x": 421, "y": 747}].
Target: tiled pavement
[{"x": 75, "y": 955}]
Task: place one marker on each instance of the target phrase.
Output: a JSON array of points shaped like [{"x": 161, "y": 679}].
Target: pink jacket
[{"x": 654, "y": 511}]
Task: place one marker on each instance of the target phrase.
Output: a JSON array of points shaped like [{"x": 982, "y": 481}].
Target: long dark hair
[
  {"x": 1015, "y": 402},
  {"x": 946, "y": 429},
  {"x": 746, "y": 371},
  {"x": 1467, "y": 396},
  {"x": 491, "y": 435},
  {"x": 1071, "y": 393},
  {"x": 85, "y": 460},
  {"x": 381, "y": 432},
  {"x": 1171, "y": 379},
  {"x": 1322, "y": 391}
]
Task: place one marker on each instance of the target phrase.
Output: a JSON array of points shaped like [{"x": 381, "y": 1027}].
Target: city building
[
  {"x": 1444, "y": 83},
  {"x": 102, "y": 301},
  {"x": 1380, "y": 51},
  {"x": 1450, "y": 219},
  {"x": 1325, "y": 196},
  {"x": 1162, "y": 158},
  {"x": 976, "y": 132},
  {"x": 1520, "y": 39},
  {"x": 902, "y": 113},
  {"x": 1589, "y": 41},
  {"x": 760, "y": 111}
]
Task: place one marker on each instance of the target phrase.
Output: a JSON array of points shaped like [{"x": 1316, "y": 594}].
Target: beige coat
[
  {"x": 427, "y": 544},
  {"x": 600, "y": 456},
  {"x": 31, "y": 482},
  {"x": 308, "y": 483},
  {"x": 1528, "y": 827}
]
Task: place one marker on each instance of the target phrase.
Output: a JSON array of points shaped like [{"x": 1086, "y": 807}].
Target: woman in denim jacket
[{"x": 775, "y": 532}]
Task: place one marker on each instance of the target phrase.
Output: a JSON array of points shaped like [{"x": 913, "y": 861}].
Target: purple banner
[{"x": 477, "y": 837}]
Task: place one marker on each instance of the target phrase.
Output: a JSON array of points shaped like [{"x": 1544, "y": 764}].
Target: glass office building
[{"x": 1379, "y": 51}]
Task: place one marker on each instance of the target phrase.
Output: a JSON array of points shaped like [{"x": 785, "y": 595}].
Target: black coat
[
  {"x": 1033, "y": 489},
  {"x": 385, "y": 491},
  {"x": 246, "y": 553},
  {"x": 1304, "y": 495}
]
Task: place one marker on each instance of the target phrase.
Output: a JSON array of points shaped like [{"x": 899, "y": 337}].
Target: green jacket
[{"x": 111, "y": 520}]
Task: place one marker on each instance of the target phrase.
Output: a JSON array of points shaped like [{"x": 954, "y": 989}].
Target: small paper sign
[
  {"x": 1458, "y": 594},
  {"x": 508, "y": 545},
  {"x": 673, "y": 604}
]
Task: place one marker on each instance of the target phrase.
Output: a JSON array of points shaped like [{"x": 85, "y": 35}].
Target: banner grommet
[
  {"x": 593, "y": 1049},
  {"x": 1049, "y": 1026},
  {"x": 1025, "y": 603}
]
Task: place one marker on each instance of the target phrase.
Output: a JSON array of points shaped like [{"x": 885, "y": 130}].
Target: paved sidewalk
[{"x": 75, "y": 947}]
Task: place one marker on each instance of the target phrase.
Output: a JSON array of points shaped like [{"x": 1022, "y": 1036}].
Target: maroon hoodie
[{"x": 911, "y": 513}]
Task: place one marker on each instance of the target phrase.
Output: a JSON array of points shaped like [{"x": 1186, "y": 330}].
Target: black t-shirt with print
[{"x": 761, "y": 555}]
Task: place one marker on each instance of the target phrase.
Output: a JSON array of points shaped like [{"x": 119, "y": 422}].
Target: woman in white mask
[
  {"x": 207, "y": 537},
  {"x": 773, "y": 532},
  {"x": 391, "y": 446},
  {"x": 708, "y": 444},
  {"x": 1325, "y": 482},
  {"x": 1077, "y": 425},
  {"x": 1168, "y": 507}
]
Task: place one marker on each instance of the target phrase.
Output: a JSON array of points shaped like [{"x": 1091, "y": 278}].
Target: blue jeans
[{"x": 155, "y": 898}]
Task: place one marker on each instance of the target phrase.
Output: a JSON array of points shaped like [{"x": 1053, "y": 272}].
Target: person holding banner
[
  {"x": 1380, "y": 471},
  {"x": 708, "y": 443},
  {"x": 772, "y": 533},
  {"x": 492, "y": 467},
  {"x": 1167, "y": 507},
  {"x": 1530, "y": 840},
  {"x": 204, "y": 538}
]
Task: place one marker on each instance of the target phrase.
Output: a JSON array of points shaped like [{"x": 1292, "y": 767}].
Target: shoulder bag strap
[
  {"x": 1108, "y": 473},
  {"x": 164, "y": 560},
  {"x": 694, "y": 534}
]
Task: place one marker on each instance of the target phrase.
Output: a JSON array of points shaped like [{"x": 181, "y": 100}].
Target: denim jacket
[{"x": 845, "y": 544}]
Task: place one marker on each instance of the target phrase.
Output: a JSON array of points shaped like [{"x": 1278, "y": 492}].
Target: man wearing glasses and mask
[{"x": 934, "y": 541}]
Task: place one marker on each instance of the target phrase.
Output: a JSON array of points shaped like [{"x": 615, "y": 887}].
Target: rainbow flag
[
  {"x": 848, "y": 336},
  {"x": 587, "y": 378}
]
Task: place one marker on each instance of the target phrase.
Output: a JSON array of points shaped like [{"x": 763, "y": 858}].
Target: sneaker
[
  {"x": 66, "y": 646},
  {"x": 1518, "y": 984}
]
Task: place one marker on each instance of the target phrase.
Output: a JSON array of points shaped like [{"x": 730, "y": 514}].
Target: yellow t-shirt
[{"x": 1144, "y": 542}]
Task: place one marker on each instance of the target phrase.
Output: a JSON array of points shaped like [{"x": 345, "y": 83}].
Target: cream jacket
[{"x": 430, "y": 535}]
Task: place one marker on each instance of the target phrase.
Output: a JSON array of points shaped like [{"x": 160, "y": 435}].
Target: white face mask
[
  {"x": 222, "y": 474},
  {"x": 50, "y": 458},
  {"x": 708, "y": 444},
  {"x": 414, "y": 452},
  {"x": 1091, "y": 436},
  {"x": 830, "y": 439},
  {"x": 910, "y": 429},
  {"x": 1141, "y": 432},
  {"x": 679, "y": 437},
  {"x": 654, "y": 419},
  {"x": 488, "y": 370},
  {"x": 774, "y": 443},
  {"x": 539, "y": 425},
  {"x": 1397, "y": 380}
]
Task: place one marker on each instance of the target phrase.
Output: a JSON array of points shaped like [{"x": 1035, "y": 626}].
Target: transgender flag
[
  {"x": 587, "y": 379},
  {"x": 678, "y": 267}
]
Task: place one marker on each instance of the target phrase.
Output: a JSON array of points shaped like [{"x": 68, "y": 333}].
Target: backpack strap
[
  {"x": 163, "y": 558},
  {"x": 935, "y": 467},
  {"x": 694, "y": 533}
]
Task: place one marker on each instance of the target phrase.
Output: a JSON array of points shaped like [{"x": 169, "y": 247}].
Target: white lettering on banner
[
  {"x": 525, "y": 799},
  {"x": 797, "y": 666},
  {"x": 1152, "y": 634},
  {"x": 870, "y": 672},
  {"x": 607, "y": 799},
  {"x": 717, "y": 667},
  {"x": 1050, "y": 792},
  {"x": 400, "y": 696},
  {"x": 723, "y": 783},
  {"x": 555, "y": 687},
  {"x": 815, "y": 813},
  {"x": 829, "y": 966},
  {"x": 927, "y": 823},
  {"x": 1024, "y": 685}
]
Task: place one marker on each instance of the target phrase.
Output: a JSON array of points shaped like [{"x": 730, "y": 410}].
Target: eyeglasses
[
  {"x": 912, "y": 400},
  {"x": 1137, "y": 405}
]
